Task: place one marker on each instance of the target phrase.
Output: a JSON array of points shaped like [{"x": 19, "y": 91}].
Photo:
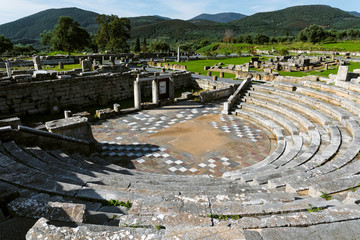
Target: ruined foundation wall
[{"x": 42, "y": 96}]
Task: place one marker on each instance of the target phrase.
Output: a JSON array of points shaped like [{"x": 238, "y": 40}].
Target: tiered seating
[
  {"x": 316, "y": 129},
  {"x": 318, "y": 119}
]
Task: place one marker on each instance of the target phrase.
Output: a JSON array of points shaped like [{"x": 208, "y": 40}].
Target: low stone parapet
[{"x": 77, "y": 127}]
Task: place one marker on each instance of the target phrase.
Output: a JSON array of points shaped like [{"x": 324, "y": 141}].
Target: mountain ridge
[
  {"x": 288, "y": 21},
  {"x": 220, "y": 17}
]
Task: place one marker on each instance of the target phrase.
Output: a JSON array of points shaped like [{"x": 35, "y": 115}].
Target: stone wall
[
  {"x": 211, "y": 85},
  {"x": 43, "y": 96}
]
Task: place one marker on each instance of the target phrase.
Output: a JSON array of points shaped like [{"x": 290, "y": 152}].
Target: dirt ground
[{"x": 195, "y": 137}]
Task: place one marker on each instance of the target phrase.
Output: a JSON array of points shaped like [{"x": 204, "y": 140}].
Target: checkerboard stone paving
[
  {"x": 235, "y": 127},
  {"x": 125, "y": 142}
]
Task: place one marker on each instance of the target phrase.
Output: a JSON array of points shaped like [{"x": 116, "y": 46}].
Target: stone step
[
  {"x": 14, "y": 150},
  {"x": 329, "y": 152},
  {"x": 43, "y": 228},
  {"x": 221, "y": 233},
  {"x": 56, "y": 211},
  {"x": 353, "y": 87},
  {"x": 161, "y": 190},
  {"x": 103, "y": 218},
  {"x": 290, "y": 127},
  {"x": 167, "y": 221},
  {"x": 308, "y": 125},
  {"x": 338, "y": 112},
  {"x": 237, "y": 174},
  {"x": 306, "y": 180},
  {"x": 343, "y": 98},
  {"x": 313, "y": 216},
  {"x": 331, "y": 110},
  {"x": 334, "y": 185},
  {"x": 62, "y": 168},
  {"x": 309, "y": 153},
  {"x": 333, "y": 231},
  {"x": 313, "y": 114},
  {"x": 236, "y": 208},
  {"x": 353, "y": 197},
  {"x": 271, "y": 168},
  {"x": 348, "y": 155}
]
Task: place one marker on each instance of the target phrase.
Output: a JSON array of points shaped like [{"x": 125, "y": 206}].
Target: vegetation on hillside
[
  {"x": 220, "y": 17},
  {"x": 67, "y": 36},
  {"x": 113, "y": 33},
  {"x": 27, "y": 30}
]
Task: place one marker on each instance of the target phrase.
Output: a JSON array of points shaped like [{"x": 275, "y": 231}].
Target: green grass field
[
  {"x": 222, "y": 48},
  {"x": 198, "y": 66},
  {"x": 66, "y": 67}
]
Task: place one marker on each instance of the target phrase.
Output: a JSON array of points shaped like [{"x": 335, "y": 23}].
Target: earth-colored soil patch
[{"x": 195, "y": 137}]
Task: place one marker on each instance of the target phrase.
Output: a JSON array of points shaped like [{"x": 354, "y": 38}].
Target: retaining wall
[{"x": 43, "y": 96}]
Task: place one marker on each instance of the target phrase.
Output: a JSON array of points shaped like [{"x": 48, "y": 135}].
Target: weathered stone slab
[
  {"x": 205, "y": 233},
  {"x": 77, "y": 127},
  {"x": 57, "y": 211},
  {"x": 86, "y": 65},
  {"x": 352, "y": 197},
  {"x": 301, "y": 219},
  {"x": 342, "y": 73},
  {"x": 174, "y": 221},
  {"x": 237, "y": 208},
  {"x": 334, "y": 185},
  {"x": 347, "y": 230},
  {"x": 43, "y": 230}
]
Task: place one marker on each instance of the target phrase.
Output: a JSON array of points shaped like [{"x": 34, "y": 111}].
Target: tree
[
  {"x": 248, "y": 39},
  {"x": 69, "y": 36},
  {"x": 261, "y": 39},
  {"x": 313, "y": 34},
  {"x": 5, "y": 44},
  {"x": 144, "y": 46},
  {"x": 20, "y": 49},
  {"x": 113, "y": 33},
  {"x": 45, "y": 37},
  {"x": 159, "y": 46},
  {"x": 137, "y": 45}
]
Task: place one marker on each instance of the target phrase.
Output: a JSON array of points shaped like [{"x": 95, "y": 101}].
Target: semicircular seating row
[
  {"x": 318, "y": 135},
  {"x": 318, "y": 140}
]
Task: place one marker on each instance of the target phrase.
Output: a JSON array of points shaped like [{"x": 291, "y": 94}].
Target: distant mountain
[
  {"x": 165, "y": 18},
  {"x": 170, "y": 29},
  {"x": 220, "y": 17},
  {"x": 145, "y": 20},
  {"x": 27, "y": 30},
  {"x": 356, "y": 14},
  {"x": 292, "y": 20},
  {"x": 202, "y": 22},
  {"x": 278, "y": 23}
]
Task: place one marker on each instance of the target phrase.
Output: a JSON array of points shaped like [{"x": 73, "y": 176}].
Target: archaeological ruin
[{"x": 264, "y": 157}]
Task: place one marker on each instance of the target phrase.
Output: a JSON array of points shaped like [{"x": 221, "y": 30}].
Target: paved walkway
[{"x": 185, "y": 138}]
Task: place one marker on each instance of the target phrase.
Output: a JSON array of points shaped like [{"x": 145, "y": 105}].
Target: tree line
[
  {"x": 312, "y": 34},
  {"x": 114, "y": 32}
]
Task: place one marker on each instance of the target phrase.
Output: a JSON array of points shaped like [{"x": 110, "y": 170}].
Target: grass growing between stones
[
  {"x": 224, "y": 217},
  {"x": 313, "y": 209},
  {"x": 326, "y": 196},
  {"x": 117, "y": 203}
]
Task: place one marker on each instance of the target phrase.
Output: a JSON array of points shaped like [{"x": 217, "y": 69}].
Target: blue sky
[{"x": 12, "y": 10}]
